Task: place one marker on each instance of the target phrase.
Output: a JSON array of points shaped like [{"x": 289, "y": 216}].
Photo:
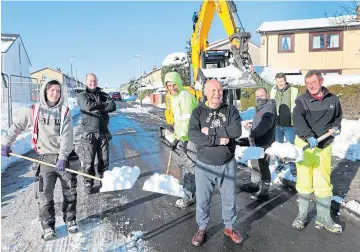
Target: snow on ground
[
  {"x": 165, "y": 184},
  {"x": 120, "y": 178},
  {"x": 22, "y": 143},
  {"x": 136, "y": 109},
  {"x": 347, "y": 144},
  {"x": 162, "y": 105},
  {"x": 354, "y": 206}
]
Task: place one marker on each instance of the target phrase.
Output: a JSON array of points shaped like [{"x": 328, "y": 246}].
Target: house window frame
[
  {"x": 292, "y": 41},
  {"x": 325, "y": 71},
  {"x": 326, "y": 49}
]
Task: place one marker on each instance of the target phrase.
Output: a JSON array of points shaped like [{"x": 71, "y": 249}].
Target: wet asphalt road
[{"x": 264, "y": 226}]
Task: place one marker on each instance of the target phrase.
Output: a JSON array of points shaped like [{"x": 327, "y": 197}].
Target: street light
[
  {"x": 139, "y": 56},
  {"x": 71, "y": 73}
]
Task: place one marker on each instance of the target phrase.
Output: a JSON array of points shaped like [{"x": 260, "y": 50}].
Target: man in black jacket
[
  {"x": 95, "y": 106},
  {"x": 316, "y": 112},
  {"x": 262, "y": 134},
  {"x": 213, "y": 127}
]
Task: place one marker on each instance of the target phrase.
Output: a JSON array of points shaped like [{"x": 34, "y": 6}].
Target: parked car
[{"x": 116, "y": 96}]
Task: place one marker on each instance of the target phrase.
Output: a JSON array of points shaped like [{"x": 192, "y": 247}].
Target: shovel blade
[
  {"x": 164, "y": 184},
  {"x": 120, "y": 178}
]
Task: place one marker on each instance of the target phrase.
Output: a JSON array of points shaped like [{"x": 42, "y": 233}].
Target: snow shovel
[
  {"x": 164, "y": 183},
  {"x": 117, "y": 179},
  {"x": 289, "y": 152}
]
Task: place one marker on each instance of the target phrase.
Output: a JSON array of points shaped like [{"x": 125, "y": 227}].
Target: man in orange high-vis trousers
[{"x": 316, "y": 112}]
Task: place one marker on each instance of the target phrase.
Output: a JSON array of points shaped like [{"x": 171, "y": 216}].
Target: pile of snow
[
  {"x": 354, "y": 206},
  {"x": 175, "y": 58},
  {"x": 119, "y": 178},
  {"x": 269, "y": 73},
  {"x": 162, "y": 105},
  {"x": 285, "y": 150},
  {"x": 146, "y": 100},
  {"x": 347, "y": 144},
  {"x": 165, "y": 184},
  {"x": 139, "y": 109}
]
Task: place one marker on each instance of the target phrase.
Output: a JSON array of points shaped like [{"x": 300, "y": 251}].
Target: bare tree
[{"x": 348, "y": 13}]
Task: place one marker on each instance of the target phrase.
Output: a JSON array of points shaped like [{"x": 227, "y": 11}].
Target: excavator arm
[{"x": 226, "y": 11}]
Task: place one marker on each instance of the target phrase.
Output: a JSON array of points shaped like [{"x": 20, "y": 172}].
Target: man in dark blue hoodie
[{"x": 213, "y": 127}]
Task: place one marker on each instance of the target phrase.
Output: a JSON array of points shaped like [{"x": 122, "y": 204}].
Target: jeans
[
  {"x": 206, "y": 177},
  {"x": 289, "y": 134}
]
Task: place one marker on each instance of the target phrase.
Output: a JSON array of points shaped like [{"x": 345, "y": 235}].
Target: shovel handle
[
  {"x": 323, "y": 137},
  {"x": 168, "y": 165},
  {"x": 44, "y": 163}
]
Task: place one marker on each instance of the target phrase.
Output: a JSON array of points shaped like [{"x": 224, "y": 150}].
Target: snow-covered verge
[
  {"x": 352, "y": 205},
  {"x": 347, "y": 144},
  {"x": 137, "y": 109},
  {"x": 22, "y": 143}
]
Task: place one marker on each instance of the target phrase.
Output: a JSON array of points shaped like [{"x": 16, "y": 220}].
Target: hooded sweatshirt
[
  {"x": 182, "y": 104},
  {"x": 223, "y": 122},
  {"x": 49, "y": 139},
  {"x": 264, "y": 124}
]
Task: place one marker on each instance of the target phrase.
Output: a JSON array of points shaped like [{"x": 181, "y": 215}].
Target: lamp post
[
  {"x": 139, "y": 56},
  {"x": 71, "y": 73}
]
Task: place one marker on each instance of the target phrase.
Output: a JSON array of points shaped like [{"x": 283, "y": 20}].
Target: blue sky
[{"x": 105, "y": 36}]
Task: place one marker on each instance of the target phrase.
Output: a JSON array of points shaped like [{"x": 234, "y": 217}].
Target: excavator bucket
[{"x": 237, "y": 74}]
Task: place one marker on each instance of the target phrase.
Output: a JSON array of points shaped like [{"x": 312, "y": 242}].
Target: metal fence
[{"x": 18, "y": 92}]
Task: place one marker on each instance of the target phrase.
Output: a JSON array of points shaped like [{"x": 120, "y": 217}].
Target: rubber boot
[
  {"x": 301, "y": 219},
  {"x": 323, "y": 218}
]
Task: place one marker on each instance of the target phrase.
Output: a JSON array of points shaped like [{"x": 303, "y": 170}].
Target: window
[
  {"x": 44, "y": 77},
  {"x": 326, "y": 41},
  {"x": 286, "y": 43}
]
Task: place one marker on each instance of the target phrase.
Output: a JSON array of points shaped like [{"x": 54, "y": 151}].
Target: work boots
[
  {"x": 301, "y": 219},
  {"x": 49, "y": 234},
  {"x": 72, "y": 226},
  {"x": 323, "y": 218},
  {"x": 263, "y": 193}
]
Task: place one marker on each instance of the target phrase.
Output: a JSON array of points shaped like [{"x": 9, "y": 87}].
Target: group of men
[
  {"x": 206, "y": 133},
  {"x": 52, "y": 139}
]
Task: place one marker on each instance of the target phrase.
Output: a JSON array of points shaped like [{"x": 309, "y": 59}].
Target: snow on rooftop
[
  {"x": 307, "y": 23},
  {"x": 5, "y": 44}
]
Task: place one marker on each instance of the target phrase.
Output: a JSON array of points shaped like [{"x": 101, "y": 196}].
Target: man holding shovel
[
  {"x": 284, "y": 95},
  {"x": 52, "y": 138},
  {"x": 183, "y": 103},
  {"x": 316, "y": 112},
  {"x": 214, "y": 125},
  {"x": 262, "y": 134}
]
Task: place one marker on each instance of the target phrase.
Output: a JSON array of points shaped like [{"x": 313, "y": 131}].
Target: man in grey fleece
[
  {"x": 53, "y": 140},
  {"x": 213, "y": 127},
  {"x": 262, "y": 134}
]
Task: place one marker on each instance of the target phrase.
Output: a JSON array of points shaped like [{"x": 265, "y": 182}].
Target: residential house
[
  {"x": 151, "y": 79},
  {"x": 225, "y": 44},
  {"x": 331, "y": 45},
  {"x": 47, "y": 73},
  {"x": 15, "y": 65}
]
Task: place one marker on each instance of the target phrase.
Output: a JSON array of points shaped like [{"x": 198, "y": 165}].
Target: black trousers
[
  {"x": 95, "y": 144},
  {"x": 46, "y": 178}
]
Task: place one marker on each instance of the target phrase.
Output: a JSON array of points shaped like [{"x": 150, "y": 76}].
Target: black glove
[{"x": 174, "y": 144}]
